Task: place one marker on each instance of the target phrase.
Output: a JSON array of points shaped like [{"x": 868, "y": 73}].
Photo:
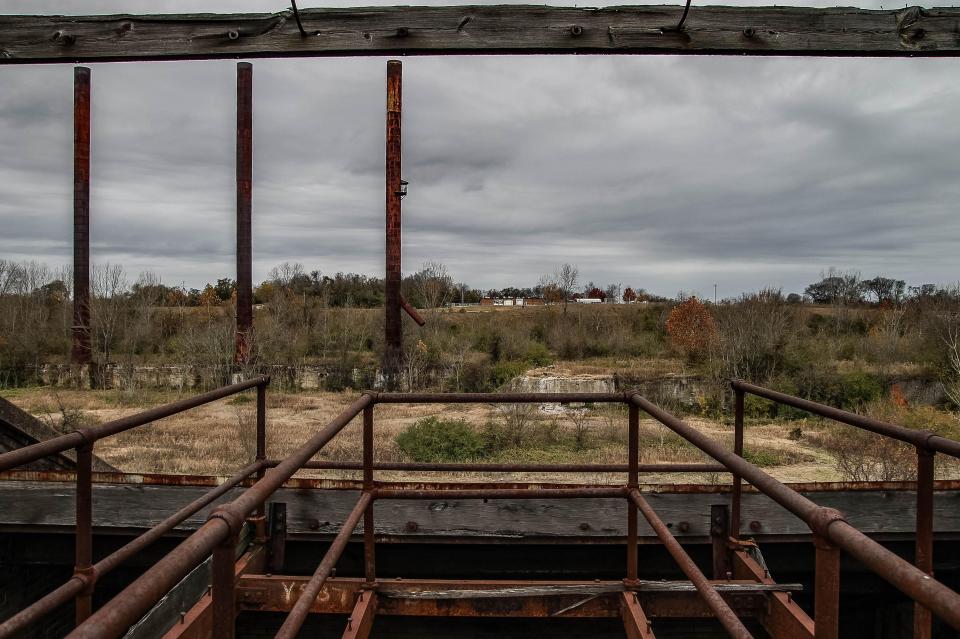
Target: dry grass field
[{"x": 218, "y": 438}]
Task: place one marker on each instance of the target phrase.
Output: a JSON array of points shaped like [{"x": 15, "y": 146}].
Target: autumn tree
[
  {"x": 629, "y": 295},
  {"x": 691, "y": 327}
]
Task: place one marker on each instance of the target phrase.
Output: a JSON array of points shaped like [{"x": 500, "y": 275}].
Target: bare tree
[
  {"x": 566, "y": 279},
  {"x": 108, "y": 287},
  {"x": 434, "y": 284}
]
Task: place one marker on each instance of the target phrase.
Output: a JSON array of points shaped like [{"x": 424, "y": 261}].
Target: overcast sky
[{"x": 665, "y": 173}]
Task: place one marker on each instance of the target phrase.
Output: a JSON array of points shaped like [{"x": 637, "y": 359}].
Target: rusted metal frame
[
  {"x": 393, "y": 327},
  {"x": 512, "y": 468},
  {"x": 369, "y": 542},
  {"x": 298, "y": 614},
  {"x": 920, "y": 438},
  {"x": 83, "y": 535},
  {"x": 633, "y": 482},
  {"x": 500, "y": 398},
  {"x": 724, "y": 614},
  {"x": 635, "y": 622},
  {"x": 606, "y": 492},
  {"x": 923, "y": 556},
  {"x": 72, "y": 588},
  {"x": 244, "y": 151},
  {"x": 224, "y": 587},
  {"x": 826, "y": 522},
  {"x": 737, "y": 494},
  {"x": 784, "y": 619},
  {"x": 360, "y": 621},
  {"x": 91, "y": 434},
  {"x": 130, "y": 604},
  {"x": 81, "y": 352},
  {"x": 826, "y": 593}
]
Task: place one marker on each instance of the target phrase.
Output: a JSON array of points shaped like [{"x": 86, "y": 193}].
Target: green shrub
[
  {"x": 441, "y": 440},
  {"x": 503, "y": 372}
]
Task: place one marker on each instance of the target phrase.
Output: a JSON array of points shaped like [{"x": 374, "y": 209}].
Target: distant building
[
  {"x": 589, "y": 300},
  {"x": 512, "y": 301}
]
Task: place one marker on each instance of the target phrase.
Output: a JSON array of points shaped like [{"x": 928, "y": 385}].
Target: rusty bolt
[
  {"x": 64, "y": 38},
  {"x": 124, "y": 27},
  {"x": 584, "y": 526},
  {"x": 411, "y": 527},
  {"x": 233, "y": 35},
  {"x": 576, "y": 30},
  {"x": 402, "y": 32},
  {"x": 755, "y": 526},
  {"x": 314, "y": 524},
  {"x": 750, "y": 32},
  {"x": 683, "y": 526}
]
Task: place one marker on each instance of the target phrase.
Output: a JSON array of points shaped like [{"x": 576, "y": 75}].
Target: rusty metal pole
[
  {"x": 393, "y": 329},
  {"x": 738, "y": 450},
  {"x": 369, "y": 542},
  {"x": 259, "y": 518},
  {"x": 720, "y": 540},
  {"x": 633, "y": 481},
  {"x": 80, "y": 353},
  {"x": 826, "y": 594},
  {"x": 244, "y": 334},
  {"x": 224, "y": 587},
  {"x": 924, "y": 548},
  {"x": 84, "y": 532}
]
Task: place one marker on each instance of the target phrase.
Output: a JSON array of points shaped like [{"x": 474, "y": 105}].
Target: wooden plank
[
  {"x": 321, "y": 512},
  {"x": 498, "y": 29},
  {"x": 360, "y": 622},
  {"x": 783, "y": 618},
  {"x": 635, "y": 622}
]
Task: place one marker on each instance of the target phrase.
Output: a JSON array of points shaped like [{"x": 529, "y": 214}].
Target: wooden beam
[
  {"x": 460, "y": 30},
  {"x": 783, "y": 618},
  {"x": 360, "y": 622},
  {"x": 635, "y": 622}
]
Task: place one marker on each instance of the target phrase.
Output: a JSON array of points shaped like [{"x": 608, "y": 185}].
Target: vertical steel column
[
  {"x": 224, "y": 586},
  {"x": 369, "y": 542},
  {"x": 738, "y": 450},
  {"x": 83, "y": 563},
  {"x": 80, "y": 353},
  {"x": 393, "y": 329},
  {"x": 826, "y": 594},
  {"x": 633, "y": 481},
  {"x": 244, "y": 334},
  {"x": 720, "y": 540},
  {"x": 924, "y": 547},
  {"x": 260, "y": 519}
]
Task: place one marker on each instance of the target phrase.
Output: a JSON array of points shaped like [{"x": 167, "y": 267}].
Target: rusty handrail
[
  {"x": 825, "y": 522},
  {"x": 920, "y": 438},
  {"x": 499, "y": 398},
  {"x": 118, "y": 614},
  {"x": 89, "y": 434},
  {"x": 329, "y": 464}
]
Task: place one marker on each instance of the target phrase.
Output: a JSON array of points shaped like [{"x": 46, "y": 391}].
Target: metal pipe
[
  {"x": 80, "y": 353},
  {"x": 412, "y": 312},
  {"x": 919, "y": 438},
  {"x": 113, "y": 619},
  {"x": 261, "y": 457},
  {"x": 91, "y": 434},
  {"x": 298, "y": 614},
  {"x": 714, "y": 601},
  {"x": 823, "y": 521},
  {"x": 923, "y": 557},
  {"x": 603, "y": 492},
  {"x": 224, "y": 585},
  {"x": 83, "y": 532},
  {"x": 633, "y": 481},
  {"x": 244, "y": 335},
  {"x": 369, "y": 543},
  {"x": 499, "y": 398},
  {"x": 826, "y": 589},
  {"x": 511, "y": 468},
  {"x": 393, "y": 327},
  {"x": 737, "y": 450}
]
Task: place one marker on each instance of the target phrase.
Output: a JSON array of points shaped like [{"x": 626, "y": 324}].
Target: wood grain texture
[
  {"x": 495, "y": 29},
  {"x": 321, "y": 512}
]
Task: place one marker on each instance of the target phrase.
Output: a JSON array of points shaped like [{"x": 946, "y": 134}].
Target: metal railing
[{"x": 219, "y": 535}]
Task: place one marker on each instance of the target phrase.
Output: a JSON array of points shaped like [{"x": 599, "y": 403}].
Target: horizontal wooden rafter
[{"x": 495, "y": 29}]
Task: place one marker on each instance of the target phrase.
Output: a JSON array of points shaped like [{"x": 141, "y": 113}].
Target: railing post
[
  {"x": 224, "y": 584},
  {"x": 738, "y": 450},
  {"x": 633, "y": 481},
  {"x": 826, "y": 595},
  {"x": 924, "y": 547},
  {"x": 720, "y": 540},
  {"x": 369, "y": 542},
  {"x": 84, "y": 531},
  {"x": 259, "y": 518}
]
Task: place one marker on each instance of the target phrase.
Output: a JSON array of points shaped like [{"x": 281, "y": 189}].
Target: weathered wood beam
[{"x": 465, "y": 30}]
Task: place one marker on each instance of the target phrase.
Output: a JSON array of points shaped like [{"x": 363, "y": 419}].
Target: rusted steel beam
[
  {"x": 724, "y": 614},
  {"x": 781, "y": 617},
  {"x": 369, "y": 525},
  {"x": 612, "y": 492},
  {"x": 224, "y": 588},
  {"x": 298, "y": 614},
  {"x": 91, "y": 434},
  {"x": 360, "y": 621},
  {"x": 412, "y": 312},
  {"x": 244, "y": 335},
  {"x": 499, "y": 398},
  {"x": 633, "y": 482},
  {"x": 128, "y": 606},
  {"x": 80, "y": 353},
  {"x": 393, "y": 327},
  {"x": 513, "y": 468},
  {"x": 923, "y": 556},
  {"x": 475, "y": 30},
  {"x": 826, "y": 522},
  {"x": 737, "y": 494},
  {"x": 635, "y": 622},
  {"x": 826, "y": 594},
  {"x": 920, "y": 438},
  {"x": 83, "y": 534},
  {"x": 719, "y": 537}
]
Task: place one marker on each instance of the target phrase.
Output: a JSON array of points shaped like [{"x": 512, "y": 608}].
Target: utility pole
[{"x": 393, "y": 329}]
